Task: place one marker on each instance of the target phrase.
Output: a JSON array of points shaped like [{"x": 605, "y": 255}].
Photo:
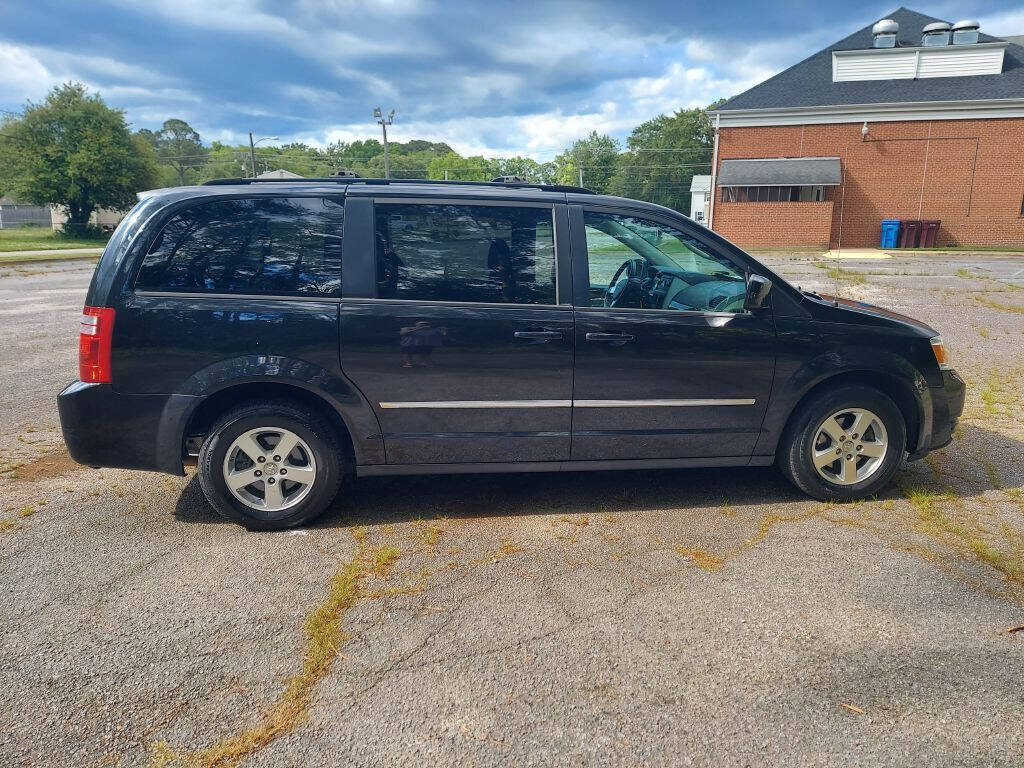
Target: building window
[{"x": 784, "y": 194}]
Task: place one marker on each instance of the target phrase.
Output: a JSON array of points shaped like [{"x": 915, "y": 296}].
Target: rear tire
[
  {"x": 843, "y": 444},
  {"x": 285, "y": 490}
]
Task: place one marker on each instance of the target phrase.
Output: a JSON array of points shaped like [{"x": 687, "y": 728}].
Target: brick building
[{"x": 908, "y": 118}]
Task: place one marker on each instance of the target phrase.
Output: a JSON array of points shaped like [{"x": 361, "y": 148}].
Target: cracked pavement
[{"x": 534, "y": 619}]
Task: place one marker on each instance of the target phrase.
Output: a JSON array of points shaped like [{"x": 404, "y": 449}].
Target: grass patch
[
  {"x": 43, "y": 239},
  {"x": 430, "y": 534},
  {"x": 509, "y": 548},
  {"x": 706, "y": 561},
  {"x": 27, "y": 511},
  {"x": 959, "y": 249},
  {"x": 985, "y": 301},
  {"x": 846, "y": 275},
  {"x": 925, "y": 501},
  {"x": 324, "y": 636},
  {"x": 963, "y": 272},
  {"x": 966, "y": 534},
  {"x": 837, "y": 272},
  {"x": 993, "y": 394},
  {"x": 383, "y": 559}
]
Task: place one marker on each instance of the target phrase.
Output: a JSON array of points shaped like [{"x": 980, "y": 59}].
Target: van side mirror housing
[{"x": 757, "y": 291}]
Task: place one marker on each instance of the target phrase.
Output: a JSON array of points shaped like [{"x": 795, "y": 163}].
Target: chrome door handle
[
  {"x": 541, "y": 335},
  {"x": 613, "y": 338}
]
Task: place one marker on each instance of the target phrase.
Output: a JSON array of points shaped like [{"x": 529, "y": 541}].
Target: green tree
[
  {"x": 527, "y": 168},
  {"x": 224, "y": 162},
  {"x": 596, "y": 154},
  {"x": 459, "y": 168},
  {"x": 74, "y": 151},
  {"x": 662, "y": 156},
  {"x": 178, "y": 145}
]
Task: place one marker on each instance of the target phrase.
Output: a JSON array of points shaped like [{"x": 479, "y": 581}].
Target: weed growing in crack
[
  {"x": 706, "y": 561},
  {"x": 324, "y": 636}
]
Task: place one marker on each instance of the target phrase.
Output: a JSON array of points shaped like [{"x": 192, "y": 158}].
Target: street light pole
[
  {"x": 252, "y": 154},
  {"x": 252, "y": 149},
  {"x": 384, "y": 122}
]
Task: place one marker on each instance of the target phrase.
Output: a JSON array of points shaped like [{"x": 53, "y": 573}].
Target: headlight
[{"x": 941, "y": 352}]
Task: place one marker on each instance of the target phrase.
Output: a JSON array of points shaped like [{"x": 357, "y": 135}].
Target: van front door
[
  {"x": 463, "y": 349},
  {"x": 669, "y": 365}
]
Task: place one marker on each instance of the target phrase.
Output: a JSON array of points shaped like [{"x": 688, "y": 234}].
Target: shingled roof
[{"x": 809, "y": 83}]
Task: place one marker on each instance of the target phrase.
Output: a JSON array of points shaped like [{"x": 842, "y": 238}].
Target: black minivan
[{"x": 287, "y": 333}]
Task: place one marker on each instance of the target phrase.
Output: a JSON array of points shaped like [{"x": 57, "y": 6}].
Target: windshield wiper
[{"x": 818, "y": 296}]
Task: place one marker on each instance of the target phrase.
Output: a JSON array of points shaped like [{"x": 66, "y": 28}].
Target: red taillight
[{"x": 94, "y": 344}]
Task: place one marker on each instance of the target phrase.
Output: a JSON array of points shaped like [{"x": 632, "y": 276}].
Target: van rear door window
[
  {"x": 466, "y": 253},
  {"x": 263, "y": 245}
]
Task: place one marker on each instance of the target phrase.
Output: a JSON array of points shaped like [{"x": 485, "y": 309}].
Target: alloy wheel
[
  {"x": 269, "y": 469},
  {"x": 849, "y": 446}
]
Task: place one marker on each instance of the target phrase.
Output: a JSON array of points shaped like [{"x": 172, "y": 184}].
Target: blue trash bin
[{"x": 890, "y": 233}]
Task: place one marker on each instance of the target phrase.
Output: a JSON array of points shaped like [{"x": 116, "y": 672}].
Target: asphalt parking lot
[{"x": 713, "y": 618}]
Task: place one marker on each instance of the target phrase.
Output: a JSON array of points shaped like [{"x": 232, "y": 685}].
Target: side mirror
[{"x": 757, "y": 291}]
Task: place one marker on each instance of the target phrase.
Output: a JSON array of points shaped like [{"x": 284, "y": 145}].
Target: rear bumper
[
  {"x": 947, "y": 405},
  {"x": 104, "y": 428}
]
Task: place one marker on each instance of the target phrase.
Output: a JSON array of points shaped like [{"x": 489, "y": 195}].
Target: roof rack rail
[{"x": 440, "y": 182}]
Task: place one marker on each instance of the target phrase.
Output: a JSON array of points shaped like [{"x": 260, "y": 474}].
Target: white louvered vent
[{"x": 910, "y": 63}]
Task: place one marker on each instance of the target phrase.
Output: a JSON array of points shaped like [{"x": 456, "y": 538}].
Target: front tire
[
  {"x": 270, "y": 465},
  {"x": 843, "y": 444}
]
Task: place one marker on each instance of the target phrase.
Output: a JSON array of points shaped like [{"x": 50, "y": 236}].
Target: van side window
[
  {"x": 264, "y": 245},
  {"x": 474, "y": 253},
  {"x": 640, "y": 264}
]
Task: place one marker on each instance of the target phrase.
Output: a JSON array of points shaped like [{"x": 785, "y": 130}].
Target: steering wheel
[{"x": 617, "y": 291}]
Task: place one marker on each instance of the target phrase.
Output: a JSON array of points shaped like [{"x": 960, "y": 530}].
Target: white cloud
[
  {"x": 699, "y": 50},
  {"x": 300, "y": 29},
  {"x": 30, "y": 72},
  {"x": 25, "y": 77},
  {"x": 620, "y": 105},
  {"x": 1003, "y": 23}
]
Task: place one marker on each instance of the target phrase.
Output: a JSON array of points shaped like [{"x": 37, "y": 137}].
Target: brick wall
[
  {"x": 967, "y": 173},
  {"x": 775, "y": 225}
]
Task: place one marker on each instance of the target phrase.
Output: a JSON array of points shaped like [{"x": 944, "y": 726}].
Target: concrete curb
[{"x": 62, "y": 254}]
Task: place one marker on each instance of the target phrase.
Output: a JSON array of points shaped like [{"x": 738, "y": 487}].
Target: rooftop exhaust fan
[
  {"x": 884, "y": 33},
  {"x": 966, "y": 32},
  {"x": 935, "y": 34}
]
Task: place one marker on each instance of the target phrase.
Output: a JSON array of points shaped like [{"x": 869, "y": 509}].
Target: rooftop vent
[
  {"x": 935, "y": 34},
  {"x": 884, "y": 33},
  {"x": 966, "y": 32}
]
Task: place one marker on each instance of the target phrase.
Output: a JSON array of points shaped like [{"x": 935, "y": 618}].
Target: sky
[{"x": 492, "y": 78}]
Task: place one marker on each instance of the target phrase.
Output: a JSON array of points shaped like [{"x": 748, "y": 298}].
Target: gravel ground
[{"x": 638, "y": 618}]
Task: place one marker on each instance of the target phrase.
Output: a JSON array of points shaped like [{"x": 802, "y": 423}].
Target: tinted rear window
[
  {"x": 265, "y": 245},
  {"x": 472, "y": 253}
]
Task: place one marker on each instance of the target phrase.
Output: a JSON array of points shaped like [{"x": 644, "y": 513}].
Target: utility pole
[
  {"x": 252, "y": 149},
  {"x": 252, "y": 154},
  {"x": 384, "y": 122}
]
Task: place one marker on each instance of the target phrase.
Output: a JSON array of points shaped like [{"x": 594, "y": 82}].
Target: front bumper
[
  {"x": 104, "y": 428},
  {"x": 947, "y": 406}
]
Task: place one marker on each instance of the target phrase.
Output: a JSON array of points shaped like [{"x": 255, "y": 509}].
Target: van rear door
[{"x": 457, "y": 329}]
